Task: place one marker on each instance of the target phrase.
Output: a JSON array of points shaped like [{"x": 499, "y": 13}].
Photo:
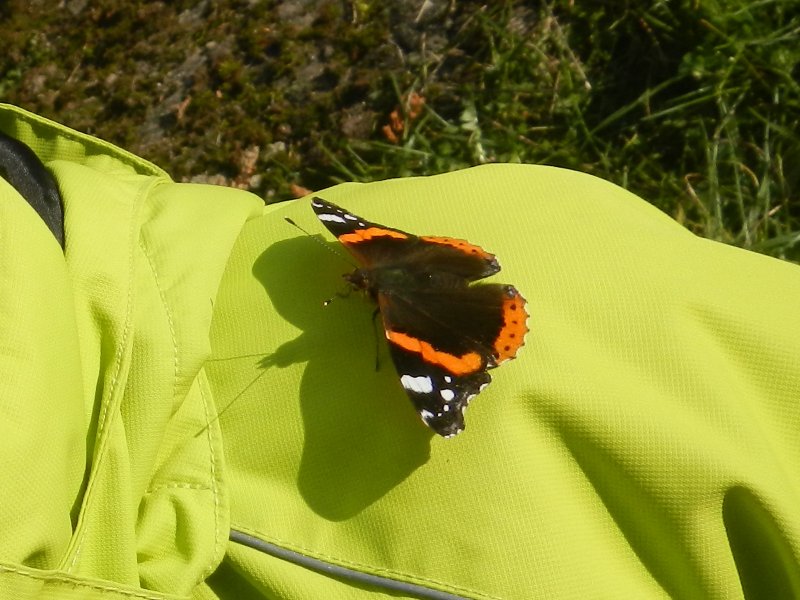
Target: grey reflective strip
[{"x": 315, "y": 564}]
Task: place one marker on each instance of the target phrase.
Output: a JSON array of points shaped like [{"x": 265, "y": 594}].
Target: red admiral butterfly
[{"x": 443, "y": 333}]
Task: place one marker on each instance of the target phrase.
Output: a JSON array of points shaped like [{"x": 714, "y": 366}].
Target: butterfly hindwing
[{"x": 484, "y": 319}]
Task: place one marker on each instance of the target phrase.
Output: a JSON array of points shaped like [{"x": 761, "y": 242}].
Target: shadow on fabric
[
  {"x": 764, "y": 558},
  {"x": 362, "y": 436}
]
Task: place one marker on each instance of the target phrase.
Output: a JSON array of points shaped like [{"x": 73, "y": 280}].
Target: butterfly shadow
[{"x": 362, "y": 436}]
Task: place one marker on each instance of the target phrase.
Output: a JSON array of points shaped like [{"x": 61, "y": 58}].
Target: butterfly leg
[{"x": 375, "y": 314}]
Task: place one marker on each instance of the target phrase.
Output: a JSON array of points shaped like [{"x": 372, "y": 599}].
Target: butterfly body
[{"x": 443, "y": 332}]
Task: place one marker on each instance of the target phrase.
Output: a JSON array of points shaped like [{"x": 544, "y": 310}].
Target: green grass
[{"x": 692, "y": 105}]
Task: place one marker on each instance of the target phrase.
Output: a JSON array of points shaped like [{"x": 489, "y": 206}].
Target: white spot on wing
[
  {"x": 350, "y": 217},
  {"x": 447, "y": 395},
  {"x": 426, "y": 415},
  {"x": 330, "y": 217},
  {"x": 448, "y": 379},
  {"x": 421, "y": 384}
]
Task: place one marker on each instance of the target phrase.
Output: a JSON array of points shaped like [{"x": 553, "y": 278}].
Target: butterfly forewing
[
  {"x": 439, "y": 398},
  {"x": 375, "y": 245}
]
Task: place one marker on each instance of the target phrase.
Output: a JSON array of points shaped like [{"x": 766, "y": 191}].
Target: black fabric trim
[
  {"x": 338, "y": 571},
  {"x": 20, "y": 166}
]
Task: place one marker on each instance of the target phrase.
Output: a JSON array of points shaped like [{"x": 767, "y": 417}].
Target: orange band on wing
[
  {"x": 512, "y": 334},
  {"x": 362, "y": 235},
  {"x": 458, "y": 244},
  {"x": 457, "y": 365}
]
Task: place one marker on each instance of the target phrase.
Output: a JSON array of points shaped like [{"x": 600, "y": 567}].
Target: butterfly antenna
[
  {"x": 328, "y": 248},
  {"x": 321, "y": 243},
  {"x": 227, "y": 406}
]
